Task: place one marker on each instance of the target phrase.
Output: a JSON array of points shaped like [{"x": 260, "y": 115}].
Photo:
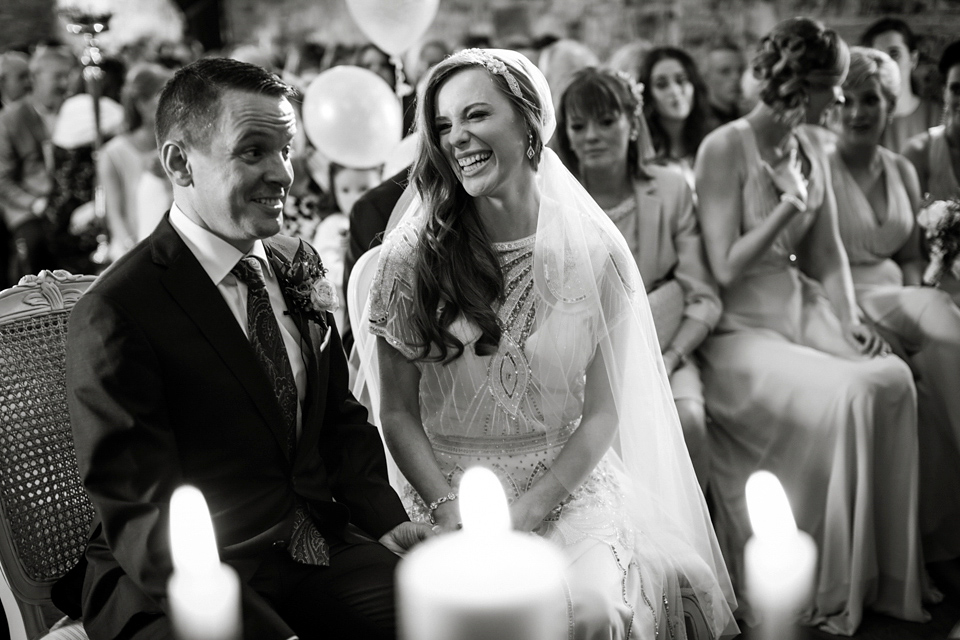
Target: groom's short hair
[{"x": 190, "y": 101}]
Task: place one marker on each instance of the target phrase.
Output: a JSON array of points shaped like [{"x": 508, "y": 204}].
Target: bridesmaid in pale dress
[
  {"x": 877, "y": 194},
  {"x": 794, "y": 380},
  {"x": 124, "y": 159},
  {"x": 936, "y": 153}
]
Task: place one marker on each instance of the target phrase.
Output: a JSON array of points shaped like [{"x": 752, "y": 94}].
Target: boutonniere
[{"x": 306, "y": 287}]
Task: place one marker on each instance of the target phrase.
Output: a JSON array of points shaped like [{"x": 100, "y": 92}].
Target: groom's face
[{"x": 241, "y": 177}]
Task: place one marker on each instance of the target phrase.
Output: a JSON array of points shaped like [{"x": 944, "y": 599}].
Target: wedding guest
[
  {"x": 14, "y": 77},
  {"x": 514, "y": 333},
  {"x": 429, "y": 55},
  {"x": 913, "y": 114},
  {"x": 196, "y": 358},
  {"x": 796, "y": 382},
  {"x": 675, "y": 105},
  {"x": 723, "y": 68},
  {"x": 14, "y": 84},
  {"x": 936, "y": 153},
  {"x": 27, "y": 159},
  {"x": 600, "y": 136},
  {"x": 122, "y": 161},
  {"x": 877, "y": 194},
  {"x": 331, "y": 237},
  {"x": 372, "y": 58}
]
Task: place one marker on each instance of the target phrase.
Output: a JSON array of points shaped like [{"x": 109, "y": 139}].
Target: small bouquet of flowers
[{"x": 941, "y": 221}]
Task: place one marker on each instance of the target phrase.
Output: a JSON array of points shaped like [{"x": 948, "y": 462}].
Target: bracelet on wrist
[
  {"x": 450, "y": 497},
  {"x": 798, "y": 204}
]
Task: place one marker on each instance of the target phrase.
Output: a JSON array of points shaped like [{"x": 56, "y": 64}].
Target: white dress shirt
[{"x": 218, "y": 257}]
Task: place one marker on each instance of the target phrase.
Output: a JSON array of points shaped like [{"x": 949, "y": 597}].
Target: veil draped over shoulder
[{"x": 595, "y": 316}]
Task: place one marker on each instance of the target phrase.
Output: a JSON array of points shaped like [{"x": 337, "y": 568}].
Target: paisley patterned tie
[{"x": 306, "y": 544}]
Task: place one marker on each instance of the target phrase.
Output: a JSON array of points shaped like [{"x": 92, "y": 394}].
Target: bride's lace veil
[{"x": 595, "y": 304}]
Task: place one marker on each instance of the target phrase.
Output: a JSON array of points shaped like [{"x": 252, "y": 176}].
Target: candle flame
[
  {"x": 483, "y": 505},
  {"x": 769, "y": 509},
  {"x": 192, "y": 542}
]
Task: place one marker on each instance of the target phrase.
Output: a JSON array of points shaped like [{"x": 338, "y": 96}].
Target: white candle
[
  {"x": 204, "y": 594},
  {"x": 780, "y": 560},
  {"x": 484, "y": 582}
]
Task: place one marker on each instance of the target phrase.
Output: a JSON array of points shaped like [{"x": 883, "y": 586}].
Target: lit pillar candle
[
  {"x": 486, "y": 581},
  {"x": 204, "y": 594},
  {"x": 780, "y": 560}
]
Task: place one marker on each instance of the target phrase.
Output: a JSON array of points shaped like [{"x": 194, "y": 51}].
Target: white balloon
[
  {"x": 393, "y": 25},
  {"x": 352, "y": 116}
]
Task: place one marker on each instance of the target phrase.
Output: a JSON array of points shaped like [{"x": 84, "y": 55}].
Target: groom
[{"x": 207, "y": 356}]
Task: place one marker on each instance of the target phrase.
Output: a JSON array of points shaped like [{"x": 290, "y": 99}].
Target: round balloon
[
  {"x": 393, "y": 25},
  {"x": 352, "y": 116}
]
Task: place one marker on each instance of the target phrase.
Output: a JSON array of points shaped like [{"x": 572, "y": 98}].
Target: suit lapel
[
  {"x": 191, "y": 288},
  {"x": 649, "y": 223}
]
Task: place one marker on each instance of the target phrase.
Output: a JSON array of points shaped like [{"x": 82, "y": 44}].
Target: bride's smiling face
[{"x": 481, "y": 135}]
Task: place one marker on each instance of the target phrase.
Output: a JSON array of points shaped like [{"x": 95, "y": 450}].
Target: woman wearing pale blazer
[{"x": 600, "y": 137}]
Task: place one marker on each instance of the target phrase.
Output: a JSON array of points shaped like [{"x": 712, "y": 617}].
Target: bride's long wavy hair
[{"x": 455, "y": 265}]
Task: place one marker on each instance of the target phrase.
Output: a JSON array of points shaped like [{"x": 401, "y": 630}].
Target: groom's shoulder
[{"x": 130, "y": 278}]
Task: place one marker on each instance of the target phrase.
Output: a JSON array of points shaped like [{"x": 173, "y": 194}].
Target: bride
[{"x": 514, "y": 333}]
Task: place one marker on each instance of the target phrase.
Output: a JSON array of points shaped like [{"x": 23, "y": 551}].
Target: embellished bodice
[{"x": 526, "y": 396}]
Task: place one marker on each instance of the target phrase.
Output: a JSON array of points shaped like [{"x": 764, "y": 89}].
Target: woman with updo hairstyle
[
  {"x": 878, "y": 194},
  {"x": 601, "y": 137},
  {"x": 122, "y": 161},
  {"x": 795, "y": 380},
  {"x": 675, "y": 105},
  {"x": 514, "y": 333}
]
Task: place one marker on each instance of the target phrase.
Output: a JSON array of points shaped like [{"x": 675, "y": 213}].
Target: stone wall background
[{"x": 602, "y": 24}]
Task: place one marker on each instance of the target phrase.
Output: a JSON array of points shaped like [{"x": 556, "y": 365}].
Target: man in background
[
  {"x": 26, "y": 159},
  {"x": 14, "y": 77},
  {"x": 723, "y": 67}
]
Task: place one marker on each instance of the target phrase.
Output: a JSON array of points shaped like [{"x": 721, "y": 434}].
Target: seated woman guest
[
  {"x": 123, "y": 160},
  {"x": 936, "y": 153},
  {"x": 600, "y": 135},
  {"x": 877, "y": 193},
  {"x": 514, "y": 333},
  {"x": 793, "y": 378},
  {"x": 675, "y": 105}
]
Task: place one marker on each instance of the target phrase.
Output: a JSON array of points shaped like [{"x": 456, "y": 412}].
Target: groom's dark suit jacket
[{"x": 164, "y": 389}]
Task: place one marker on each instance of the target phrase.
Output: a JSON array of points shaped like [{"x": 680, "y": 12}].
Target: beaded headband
[{"x": 494, "y": 65}]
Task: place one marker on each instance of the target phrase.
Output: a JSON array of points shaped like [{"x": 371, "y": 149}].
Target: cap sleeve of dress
[{"x": 391, "y": 294}]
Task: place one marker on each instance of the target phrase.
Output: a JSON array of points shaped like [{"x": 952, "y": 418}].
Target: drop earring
[{"x": 530, "y": 151}]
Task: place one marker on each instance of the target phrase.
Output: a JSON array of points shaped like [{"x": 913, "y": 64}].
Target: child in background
[{"x": 330, "y": 239}]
